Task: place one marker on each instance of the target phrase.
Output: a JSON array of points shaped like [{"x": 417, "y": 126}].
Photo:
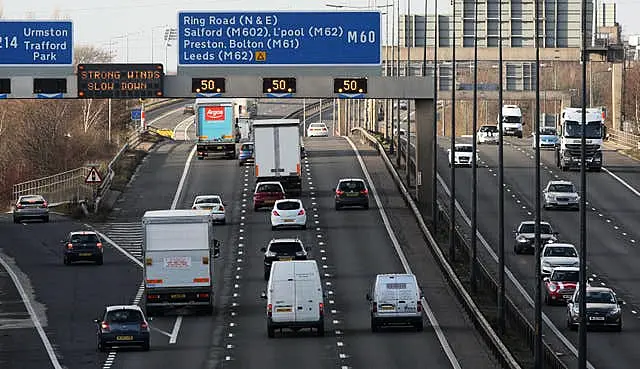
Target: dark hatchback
[
  {"x": 83, "y": 246},
  {"x": 351, "y": 192},
  {"x": 122, "y": 325},
  {"x": 283, "y": 249}
]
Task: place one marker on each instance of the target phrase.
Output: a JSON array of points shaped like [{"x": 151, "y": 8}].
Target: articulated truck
[
  {"x": 178, "y": 252},
  {"x": 569, "y": 149},
  {"x": 216, "y": 127},
  {"x": 277, "y": 153}
]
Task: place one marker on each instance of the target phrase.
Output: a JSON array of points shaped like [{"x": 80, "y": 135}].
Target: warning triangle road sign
[{"x": 93, "y": 176}]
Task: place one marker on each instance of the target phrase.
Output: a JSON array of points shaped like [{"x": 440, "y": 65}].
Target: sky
[{"x": 129, "y": 28}]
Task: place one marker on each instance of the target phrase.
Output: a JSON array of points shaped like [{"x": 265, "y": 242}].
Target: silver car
[
  {"x": 31, "y": 207},
  {"x": 560, "y": 194}
]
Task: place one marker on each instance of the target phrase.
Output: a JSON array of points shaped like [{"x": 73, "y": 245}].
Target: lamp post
[
  {"x": 170, "y": 34},
  {"x": 152, "y": 39}
]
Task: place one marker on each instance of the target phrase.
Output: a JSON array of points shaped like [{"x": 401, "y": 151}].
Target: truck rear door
[
  {"x": 287, "y": 149},
  {"x": 265, "y": 162},
  {"x": 283, "y": 300}
]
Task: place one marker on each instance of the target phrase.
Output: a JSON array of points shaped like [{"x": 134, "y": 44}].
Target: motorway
[{"x": 613, "y": 232}]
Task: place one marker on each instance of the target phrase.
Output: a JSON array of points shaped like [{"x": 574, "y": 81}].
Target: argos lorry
[
  {"x": 569, "y": 149},
  {"x": 216, "y": 128},
  {"x": 277, "y": 153},
  {"x": 178, "y": 251}
]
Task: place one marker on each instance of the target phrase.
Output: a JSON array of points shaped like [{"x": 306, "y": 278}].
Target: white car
[
  {"x": 560, "y": 194},
  {"x": 288, "y": 213},
  {"x": 214, "y": 204},
  {"x": 317, "y": 130},
  {"x": 558, "y": 255},
  {"x": 488, "y": 134},
  {"x": 464, "y": 155}
]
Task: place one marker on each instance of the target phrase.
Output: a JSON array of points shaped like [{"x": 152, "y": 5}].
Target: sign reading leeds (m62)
[
  {"x": 24, "y": 43},
  {"x": 279, "y": 38}
]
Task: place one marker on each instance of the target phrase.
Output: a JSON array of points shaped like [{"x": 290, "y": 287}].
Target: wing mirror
[
  {"x": 621, "y": 302},
  {"x": 97, "y": 321},
  {"x": 546, "y": 279},
  {"x": 263, "y": 295},
  {"x": 150, "y": 318},
  {"x": 368, "y": 296},
  {"x": 263, "y": 249}
]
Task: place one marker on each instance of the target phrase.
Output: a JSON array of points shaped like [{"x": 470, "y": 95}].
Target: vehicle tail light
[
  {"x": 205, "y": 260},
  {"x": 153, "y": 297},
  {"x": 194, "y": 208},
  {"x": 99, "y": 245},
  {"x": 202, "y": 295},
  {"x": 324, "y": 129},
  {"x": 105, "y": 326},
  {"x": 321, "y": 308},
  {"x": 269, "y": 310},
  {"x": 19, "y": 206},
  {"x": 364, "y": 192},
  {"x": 69, "y": 246},
  {"x": 148, "y": 261},
  {"x": 374, "y": 307},
  {"x": 221, "y": 208},
  {"x": 339, "y": 192},
  {"x": 144, "y": 325},
  {"x": 301, "y": 212},
  {"x": 44, "y": 204},
  {"x": 275, "y": 213},
  {"x": 419, "y": 306}
]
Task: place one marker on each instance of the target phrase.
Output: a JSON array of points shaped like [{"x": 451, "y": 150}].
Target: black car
[
  {"x": 351, "y": 192},
  {"x": 83, "y": 246},
  {"x": 122, "y": 325},
  {"x": 283, "y": 249},
  {"x": 603, "y": 309},
  {"x": 525, "y": 236}
]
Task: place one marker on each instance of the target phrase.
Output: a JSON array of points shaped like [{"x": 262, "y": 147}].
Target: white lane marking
[
  {"x": 123, "y": 251},
  {"x": 187, "y": 123},
  {"x": 622, "y": 181},
  {"x": 163, "y": 116},
  {"x": 185, "y": 171},
  {"x": 32, "y": 313},
  {"x": 512, "y": 278},
  {"x": 161, "y": 331},
  {"x": 425, "y": 305},
  {"x": 176, "y": 329}
]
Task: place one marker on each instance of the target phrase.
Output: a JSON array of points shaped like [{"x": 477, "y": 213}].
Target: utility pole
[{"x": 452, "y": 204}]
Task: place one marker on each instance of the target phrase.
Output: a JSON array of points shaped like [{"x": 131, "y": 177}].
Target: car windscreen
[
  {"x": 548, "y": 131},
  {"x": 84, "y": 238},
  {"x": 124, "y": 316},
  {"x": 288, "y": 205},
  {"x": 269, "y": 188},
  {"x": 530, "y": 228},
  {"x": 565, "y": 276},
  {"x": 396, "y": 286},
  {"x": 208, "y": 200},
  {"x": 464, "y": 148},
  {"x": 561, "y": 188},
  {"x": 600, "y": 297},
  {"x": 247, "y": 147},
  {"x": 285, "y": 247},
  {"x": 317, "y": 125},
  {"x": 32, "y": 200},
  {"x": 560, "y": 252},
  {"x": 492, "y": 129},
  {"x": 351, "y": 186}
]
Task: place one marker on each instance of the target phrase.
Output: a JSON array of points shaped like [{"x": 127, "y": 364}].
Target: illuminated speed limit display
[{"x": 279, "y": 85}]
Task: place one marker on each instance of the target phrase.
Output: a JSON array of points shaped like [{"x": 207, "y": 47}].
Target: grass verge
[{"x": 633, "y": 153}]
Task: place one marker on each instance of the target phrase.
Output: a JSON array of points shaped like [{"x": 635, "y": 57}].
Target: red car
[
  {"x": 561, "y": 285},
  {"x": 266, "y": 194}
]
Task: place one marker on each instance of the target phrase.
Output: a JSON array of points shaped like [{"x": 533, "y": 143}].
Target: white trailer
[
  {"x": 277, "y": 152},
  {"x": 178, "y": 252}
]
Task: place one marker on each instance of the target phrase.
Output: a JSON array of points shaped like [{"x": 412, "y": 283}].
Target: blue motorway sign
[
  {"x": 279, "y": 38},
  {"x": 136, "y": 114},
  {"x": 36, "y": 43}
]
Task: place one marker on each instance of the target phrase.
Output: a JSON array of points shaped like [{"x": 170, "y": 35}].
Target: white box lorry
[
  {"x": 277, "y": 153},
  {"x": 178, "y": 253}
]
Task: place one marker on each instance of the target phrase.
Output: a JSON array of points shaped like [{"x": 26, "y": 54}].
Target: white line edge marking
[
  {"x": 622, "y": 181},
  {"x": 176, "y": 329},
  {"x": 427, "y": 309},
  {"x": 182, "y": 123},
  {"x": 185, "y": 171},
  {"x": 512, "y": 278},
  {"x": 36, "y": 322}
]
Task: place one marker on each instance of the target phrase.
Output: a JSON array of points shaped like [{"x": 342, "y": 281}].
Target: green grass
[{"x": 634, "y": 153}]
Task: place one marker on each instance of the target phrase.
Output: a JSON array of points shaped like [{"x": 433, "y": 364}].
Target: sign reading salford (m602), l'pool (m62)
[
  {"x": 24, "y": 43},
  {"x": 279, "y": 38}
]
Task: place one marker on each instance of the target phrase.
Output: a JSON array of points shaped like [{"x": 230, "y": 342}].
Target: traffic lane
[
  {"x": 72, "y": 295},
  {"x": 278, "y": 108},
  {"x": 628, "y": 169},
  {"x": 612, "y": 223},
  {"x": 154, "y": 183},
  {"x": 360, "y": 249},
  {"x": 619, "y": 205},
  {"x": 467, "y": 344},
  {"x": 519, "y": 208},
  {"x": 198, "y": 338},
  {"x": 248, "y": 336},
  {"x": 20, "y": 344}
]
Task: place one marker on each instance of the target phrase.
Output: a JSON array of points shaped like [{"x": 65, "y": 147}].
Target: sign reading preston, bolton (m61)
[
  {"x": 24, "y": 43},
  {"x": 279, "y": 38}
]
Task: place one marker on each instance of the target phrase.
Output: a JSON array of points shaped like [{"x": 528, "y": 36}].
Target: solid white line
[
  {"x": 179, "y": 125},
  {"x": 622, "y": 181},
  {"x": 186, "y": 128},
  {"x": 385, "y": 219},
  {"x": 512, "y": 278},
  {"x": 176, "y": 197},
  {"x": 36, "y": 322},
  {"x": 123, "y": 251},
  {"x": 176, "y": 329},
  {"x": 163, "y": 116}
]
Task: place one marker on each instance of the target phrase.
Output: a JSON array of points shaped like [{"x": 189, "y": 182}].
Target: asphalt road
[{"x": 610, "y": 252}]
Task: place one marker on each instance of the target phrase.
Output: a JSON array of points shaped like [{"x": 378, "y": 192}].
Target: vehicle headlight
[
  {"x": 270, "y": 254},
  {"x": 615, "y": 311},
  {"x": 576, "y": 308},
  {"x": 521, "y": 239},
  {"x": 546, "y": 264}
]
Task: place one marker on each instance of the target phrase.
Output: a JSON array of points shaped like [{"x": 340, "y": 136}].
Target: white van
[
  {"x": 396, "y": 299},
  {"x": 294, "y": 297}
]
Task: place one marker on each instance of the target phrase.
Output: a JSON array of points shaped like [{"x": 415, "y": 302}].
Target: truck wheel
[
  {"x": 270, "y": 331},
  {"x": 100, "y": 260},
  {"x": 45, "y": 219},
  {"x": 419, "y": 326},
  {"x": 320, "y": 329},
  {"x": 374, "y": 325}
]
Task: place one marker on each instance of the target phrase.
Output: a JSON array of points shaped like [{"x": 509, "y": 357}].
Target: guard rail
[
  {"x": 625, "y": 139},
  {"x": 512, "y": 313}
]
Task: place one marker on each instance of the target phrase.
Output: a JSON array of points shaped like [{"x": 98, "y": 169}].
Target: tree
[{"x": 88, "y": 54}]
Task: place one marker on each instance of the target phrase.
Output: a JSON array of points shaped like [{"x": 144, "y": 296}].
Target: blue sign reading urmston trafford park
[
  {"x": 279, "y": 38},
  {"x": 36, "y": 43}
]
